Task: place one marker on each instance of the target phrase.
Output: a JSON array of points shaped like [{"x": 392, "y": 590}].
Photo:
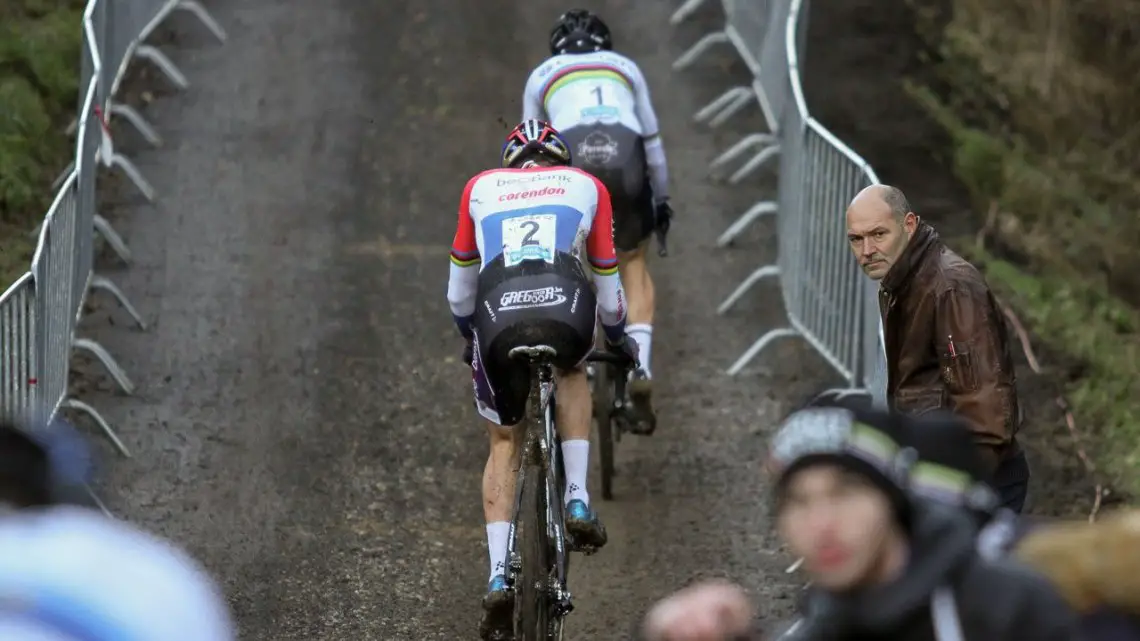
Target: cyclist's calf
[
  {"x": 639, "y": 290},
  {"x": 573, "y": 405}
]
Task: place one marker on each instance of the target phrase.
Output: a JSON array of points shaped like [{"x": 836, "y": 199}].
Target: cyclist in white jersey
[
  {"x": 517, "y": 278},
  {"x": 599, "y": 101}
]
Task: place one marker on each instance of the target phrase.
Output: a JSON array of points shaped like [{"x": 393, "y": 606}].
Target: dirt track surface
[{"x": 303, "y": 424}]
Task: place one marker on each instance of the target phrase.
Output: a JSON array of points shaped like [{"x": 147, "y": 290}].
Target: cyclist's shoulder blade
[
  {"x": 554, "y": 65},
  {"x": 505, "y": 189}
]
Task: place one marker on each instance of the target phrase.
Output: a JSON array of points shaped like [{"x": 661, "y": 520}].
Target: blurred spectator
[
  {"x": 25, "y": 472},
  {"x": 884, "y": 564},
  {"x": 1095, "y": 566},
  {"x": 946, "y": 341},
  {"x": 72, "y": 574}
]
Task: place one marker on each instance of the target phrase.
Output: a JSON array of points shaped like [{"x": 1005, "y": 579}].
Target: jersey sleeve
[
  {"x": 643, "y": 103},
  {"x": 532, "y": 107},
  {"x": 603, "y": 261},
  {"x": 464, "y": 276},
  {"x": 654, "y": 149}
]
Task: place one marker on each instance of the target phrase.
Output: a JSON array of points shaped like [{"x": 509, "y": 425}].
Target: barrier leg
[
  {"x": 98, "y": 502},
  {"x": 105, "y": 284},
  {"x": 760, "y": 345},
  {"x": 760, "y": 274},
  {"x": 844, "y": 392},
  {"x": 718, "y": 104},
  {"x": 136, "y": 119},
  {"x": 63, "y": 175},
  {"x": 746, "y": 219},
  {"x": 113, "y": 239},
  {"x": 164, "y": 64},
  {"x": 702, "y": 45},
  {"x": 752, "y": 165},
  {"x": 108, "y": 362},
  {"x": 132, "y": 172},
  {"x": 684, "y": 11},
  {"x": 208, "y": 21},
  {"x": 746, "y": 96},
  {"x": 748, "y": 142},
  {"x": 95, "y": 416}
]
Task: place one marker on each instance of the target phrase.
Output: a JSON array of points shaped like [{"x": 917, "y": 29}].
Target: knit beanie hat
[
  {"x": 949, "y": 468},
  {"x": 862, "y": 441}
]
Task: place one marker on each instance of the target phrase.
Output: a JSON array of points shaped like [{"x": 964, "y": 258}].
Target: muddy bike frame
[{"x": 537, "y": 573}]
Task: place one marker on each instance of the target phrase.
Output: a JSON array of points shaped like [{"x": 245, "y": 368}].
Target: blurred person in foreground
[
  {"x": 69, "y": 573},
  {"x": 946, "y": 342},
  {"x": 1095, "y": 566},
  {"x": 883, "y": 563}
]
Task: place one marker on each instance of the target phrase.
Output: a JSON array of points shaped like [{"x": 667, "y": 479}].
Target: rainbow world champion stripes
[{"x": 578, "y": 73}]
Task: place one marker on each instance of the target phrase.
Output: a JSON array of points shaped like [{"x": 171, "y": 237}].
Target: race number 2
[{"x": 529, "y": 238}]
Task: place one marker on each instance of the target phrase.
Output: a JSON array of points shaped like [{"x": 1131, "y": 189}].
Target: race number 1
[{"x": 529, "y": 238}]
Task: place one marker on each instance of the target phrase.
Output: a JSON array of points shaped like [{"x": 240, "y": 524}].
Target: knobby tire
[
  {"x": 533, "y": 608},
  {"x": 603, "y": 410},
  {"x": 534, "y": 605}
]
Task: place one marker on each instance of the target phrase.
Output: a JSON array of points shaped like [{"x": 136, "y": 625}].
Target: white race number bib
[{"x": 529, "y": 238}]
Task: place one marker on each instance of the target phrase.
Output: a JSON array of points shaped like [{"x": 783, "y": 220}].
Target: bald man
[{"x": 946, "y": 340}]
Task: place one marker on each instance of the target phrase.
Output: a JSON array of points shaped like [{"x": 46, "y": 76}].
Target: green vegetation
[
  {"x": 1041, "y": 103},
  {"x": 40, "y": 44},
  {"x": 1102, "y": 336}
]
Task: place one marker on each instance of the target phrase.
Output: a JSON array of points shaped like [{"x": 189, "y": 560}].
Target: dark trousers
[{"x": 1011, "y": 481}]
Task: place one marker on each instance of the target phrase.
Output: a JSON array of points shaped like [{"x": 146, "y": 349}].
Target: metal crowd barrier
[
  {"x": 829, "y": 303},
  {"x": 40, "y": 313}
]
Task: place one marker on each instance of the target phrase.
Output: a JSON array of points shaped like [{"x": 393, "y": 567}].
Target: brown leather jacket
[{"x": 947, "y": 344}]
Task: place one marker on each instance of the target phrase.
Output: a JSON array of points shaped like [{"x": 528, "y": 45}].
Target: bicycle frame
[{"x": 539, "y": 459}]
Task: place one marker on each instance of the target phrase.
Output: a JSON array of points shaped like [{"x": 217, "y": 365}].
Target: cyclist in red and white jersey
[{"x": 517, "y": 278}]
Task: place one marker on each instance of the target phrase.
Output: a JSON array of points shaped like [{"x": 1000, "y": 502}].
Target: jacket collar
[{"x": 924, "y": 241}]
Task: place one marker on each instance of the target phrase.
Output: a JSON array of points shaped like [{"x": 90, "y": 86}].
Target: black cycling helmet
[{"x": 579, "y": 31}]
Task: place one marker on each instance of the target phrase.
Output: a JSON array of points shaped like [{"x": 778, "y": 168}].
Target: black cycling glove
[{"x": 663, "y": 216}]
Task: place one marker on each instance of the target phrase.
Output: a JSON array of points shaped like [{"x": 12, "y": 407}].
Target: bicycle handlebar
[{"x": 606, "y": 356}]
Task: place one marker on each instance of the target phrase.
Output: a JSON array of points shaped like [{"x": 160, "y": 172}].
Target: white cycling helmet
[{"x": 72, "y": 574}]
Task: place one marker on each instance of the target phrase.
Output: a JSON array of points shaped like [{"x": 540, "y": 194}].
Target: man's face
[
  {"x": 838, "y": 522},
  {"x": 876, "y": 238}
]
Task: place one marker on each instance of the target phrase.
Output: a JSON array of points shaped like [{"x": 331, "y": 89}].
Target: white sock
[
  {"x": 576, "y": 461},
  {"x": 642, "y": 334},
  {"x": 498, "y": 536}
]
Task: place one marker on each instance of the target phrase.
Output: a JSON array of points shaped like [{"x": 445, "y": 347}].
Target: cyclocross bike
[
  {"x": 613, "y": 416},
  {"x": 611, "y": 401},
  {"x": 538, "y": 556}
]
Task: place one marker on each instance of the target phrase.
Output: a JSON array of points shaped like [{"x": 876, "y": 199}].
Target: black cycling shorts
[
  {"x": 616, "y": 156},
  {"x": 532, "y": 303}
]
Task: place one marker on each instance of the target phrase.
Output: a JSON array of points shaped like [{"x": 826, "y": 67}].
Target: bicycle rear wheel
[
  {"x": 533, "y": 606},
  {"x": 603, "y": 409}
]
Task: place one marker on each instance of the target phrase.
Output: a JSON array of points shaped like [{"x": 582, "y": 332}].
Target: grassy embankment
[
  {"x": 40, "y": 44},
  {"x": 1041, "y": 100}
]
